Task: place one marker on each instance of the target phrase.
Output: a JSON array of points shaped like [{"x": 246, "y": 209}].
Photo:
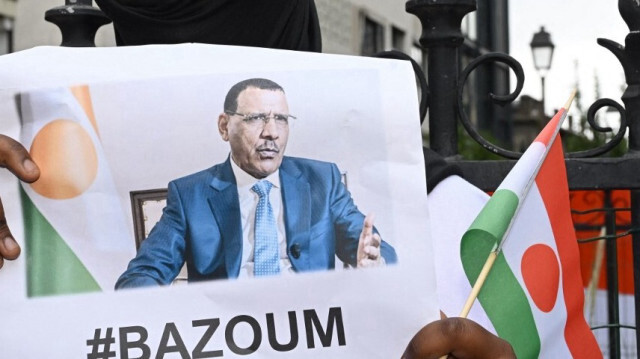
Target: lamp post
[{"x": 542, "y": 50}]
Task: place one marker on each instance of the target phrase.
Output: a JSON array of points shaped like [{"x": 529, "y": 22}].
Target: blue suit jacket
[{"x": 201, "y": 225}]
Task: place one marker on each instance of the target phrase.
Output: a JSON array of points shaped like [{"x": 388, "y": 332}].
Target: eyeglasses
[{"x": 255, "y": 119}]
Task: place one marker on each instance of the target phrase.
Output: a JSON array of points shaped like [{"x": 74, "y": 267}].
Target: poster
[{"x": 135, "y": 135}]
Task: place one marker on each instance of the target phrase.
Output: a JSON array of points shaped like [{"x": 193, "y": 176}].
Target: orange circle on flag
[
  {"x": 541, "y": 274},
  {"x": 67, "y": 159}
]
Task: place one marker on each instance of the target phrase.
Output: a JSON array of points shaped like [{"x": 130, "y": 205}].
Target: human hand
[
  {"x": 458, "y": 338},
  {"x": 369, "y": 245},
  {"x": 16, "y": 159}
]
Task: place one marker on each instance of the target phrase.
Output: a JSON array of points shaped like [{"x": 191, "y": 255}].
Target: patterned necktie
[{"x": 265, "y": 255}]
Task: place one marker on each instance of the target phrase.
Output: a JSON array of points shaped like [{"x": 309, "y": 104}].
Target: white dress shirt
[{"x": 248, "y": 204}]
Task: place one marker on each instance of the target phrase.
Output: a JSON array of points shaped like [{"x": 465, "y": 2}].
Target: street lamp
[{"x": 542, "y": 50}]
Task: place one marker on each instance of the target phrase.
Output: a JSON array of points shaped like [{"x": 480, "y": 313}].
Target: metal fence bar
[
  {"x": 612, "y": 279},
  {"x": 442, "y": 36},
  {"x": 582, "y": 173},
  {"x": 78, "y": 21},
  {"x": 635, "y": 243}
]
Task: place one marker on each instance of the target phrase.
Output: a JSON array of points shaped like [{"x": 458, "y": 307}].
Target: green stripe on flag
[
  {"x": 502, "y": 297},
  {"x": 497, "y": 214},
  {"x": 52, "y": 267}
]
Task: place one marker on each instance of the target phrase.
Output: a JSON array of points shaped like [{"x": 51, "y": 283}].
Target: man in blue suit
[{"x": 259, "y": 212}]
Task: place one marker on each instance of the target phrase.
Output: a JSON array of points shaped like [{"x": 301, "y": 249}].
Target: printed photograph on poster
[
  {"x": 283, "y": 204},
  {"x": 268, "y": 174}
]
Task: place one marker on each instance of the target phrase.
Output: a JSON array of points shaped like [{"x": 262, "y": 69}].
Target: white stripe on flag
[
  {"x": 520, "y": 175},
  {"x": 533, "y": 229},
  {"x": 92, "y": 224}
]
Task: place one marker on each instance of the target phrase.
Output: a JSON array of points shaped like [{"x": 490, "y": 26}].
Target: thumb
[
  {"x": 367, "y": 227},
  {"x": 16, "y": 159}
]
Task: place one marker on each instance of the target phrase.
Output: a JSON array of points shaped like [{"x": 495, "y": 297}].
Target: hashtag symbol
[{"x": 98, "y": 343}]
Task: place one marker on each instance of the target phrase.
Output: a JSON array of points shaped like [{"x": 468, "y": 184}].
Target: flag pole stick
[
  {"x": 479, "y": 283},
  {"x": 595, "y": 275},
  {"x": 567, "y": 105}
]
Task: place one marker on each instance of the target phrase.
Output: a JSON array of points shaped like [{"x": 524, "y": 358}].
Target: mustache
[{"x": 268, "y": 146}]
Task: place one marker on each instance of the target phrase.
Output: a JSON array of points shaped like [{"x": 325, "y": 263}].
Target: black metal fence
[
  {"x": 586, "y": 170},
  {"x": 603, "y": 228}
]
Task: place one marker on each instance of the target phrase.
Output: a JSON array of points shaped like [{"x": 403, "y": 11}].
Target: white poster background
[{"x": 364, "y": 115}]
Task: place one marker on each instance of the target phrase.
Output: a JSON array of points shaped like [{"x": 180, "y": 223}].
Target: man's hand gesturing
[
  {"x": 16, "y": 159},
  {"x": 369, "y": 245}
]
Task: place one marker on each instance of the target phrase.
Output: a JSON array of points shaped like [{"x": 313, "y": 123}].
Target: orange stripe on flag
[
  {"x": 81, "y": 93},
  {"x": 553, "y": 186},
  {"x": 550, "y": 129}
]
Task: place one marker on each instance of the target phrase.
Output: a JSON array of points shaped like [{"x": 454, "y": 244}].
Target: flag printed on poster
[
  {"x": 77, "y": 239},
  {"x": 533, "y": 295}
]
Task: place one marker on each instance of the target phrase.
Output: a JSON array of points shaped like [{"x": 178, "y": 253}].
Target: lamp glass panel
[{"x": 542, "y": 57}]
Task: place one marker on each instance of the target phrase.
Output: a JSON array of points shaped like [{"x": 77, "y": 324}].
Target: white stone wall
[
  {"x": 342, "y": 23},
  {"x": 337, "y": 22},
  {"x": 8, "y": 8}
]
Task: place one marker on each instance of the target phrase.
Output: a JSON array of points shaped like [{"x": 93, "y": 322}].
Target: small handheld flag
[{"x": 529, "y": 285}]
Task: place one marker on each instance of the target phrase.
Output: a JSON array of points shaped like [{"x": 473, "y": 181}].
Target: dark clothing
[
  {"x": 437, "y": 168},
  {"x": 278, "y": 24}
]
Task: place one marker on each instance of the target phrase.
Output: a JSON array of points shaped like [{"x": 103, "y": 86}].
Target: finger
[
  {"x": 9, "y": 249},
  {"x": 372, "y": 241},
  {"x": 376, "y": 240},
  {"x": 16, "y": 159},
  {"x": 367, "y": 227},
  {"x": 372, "y": 252},
  {"x": 368, "y": 263},
  {"x": 459, "y": 337}
]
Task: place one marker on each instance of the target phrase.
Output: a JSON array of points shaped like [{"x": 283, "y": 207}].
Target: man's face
[{"x": 256, "y": 147}]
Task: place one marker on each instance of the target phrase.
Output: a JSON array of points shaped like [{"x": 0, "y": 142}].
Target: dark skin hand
[
  {"x": 459, "y": 338},
  {"x": 16, "y": 159}
]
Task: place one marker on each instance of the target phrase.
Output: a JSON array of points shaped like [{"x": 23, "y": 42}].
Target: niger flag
[
  {"x": 77, "y": 239},
  {"x": 533, "y": 295}
]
